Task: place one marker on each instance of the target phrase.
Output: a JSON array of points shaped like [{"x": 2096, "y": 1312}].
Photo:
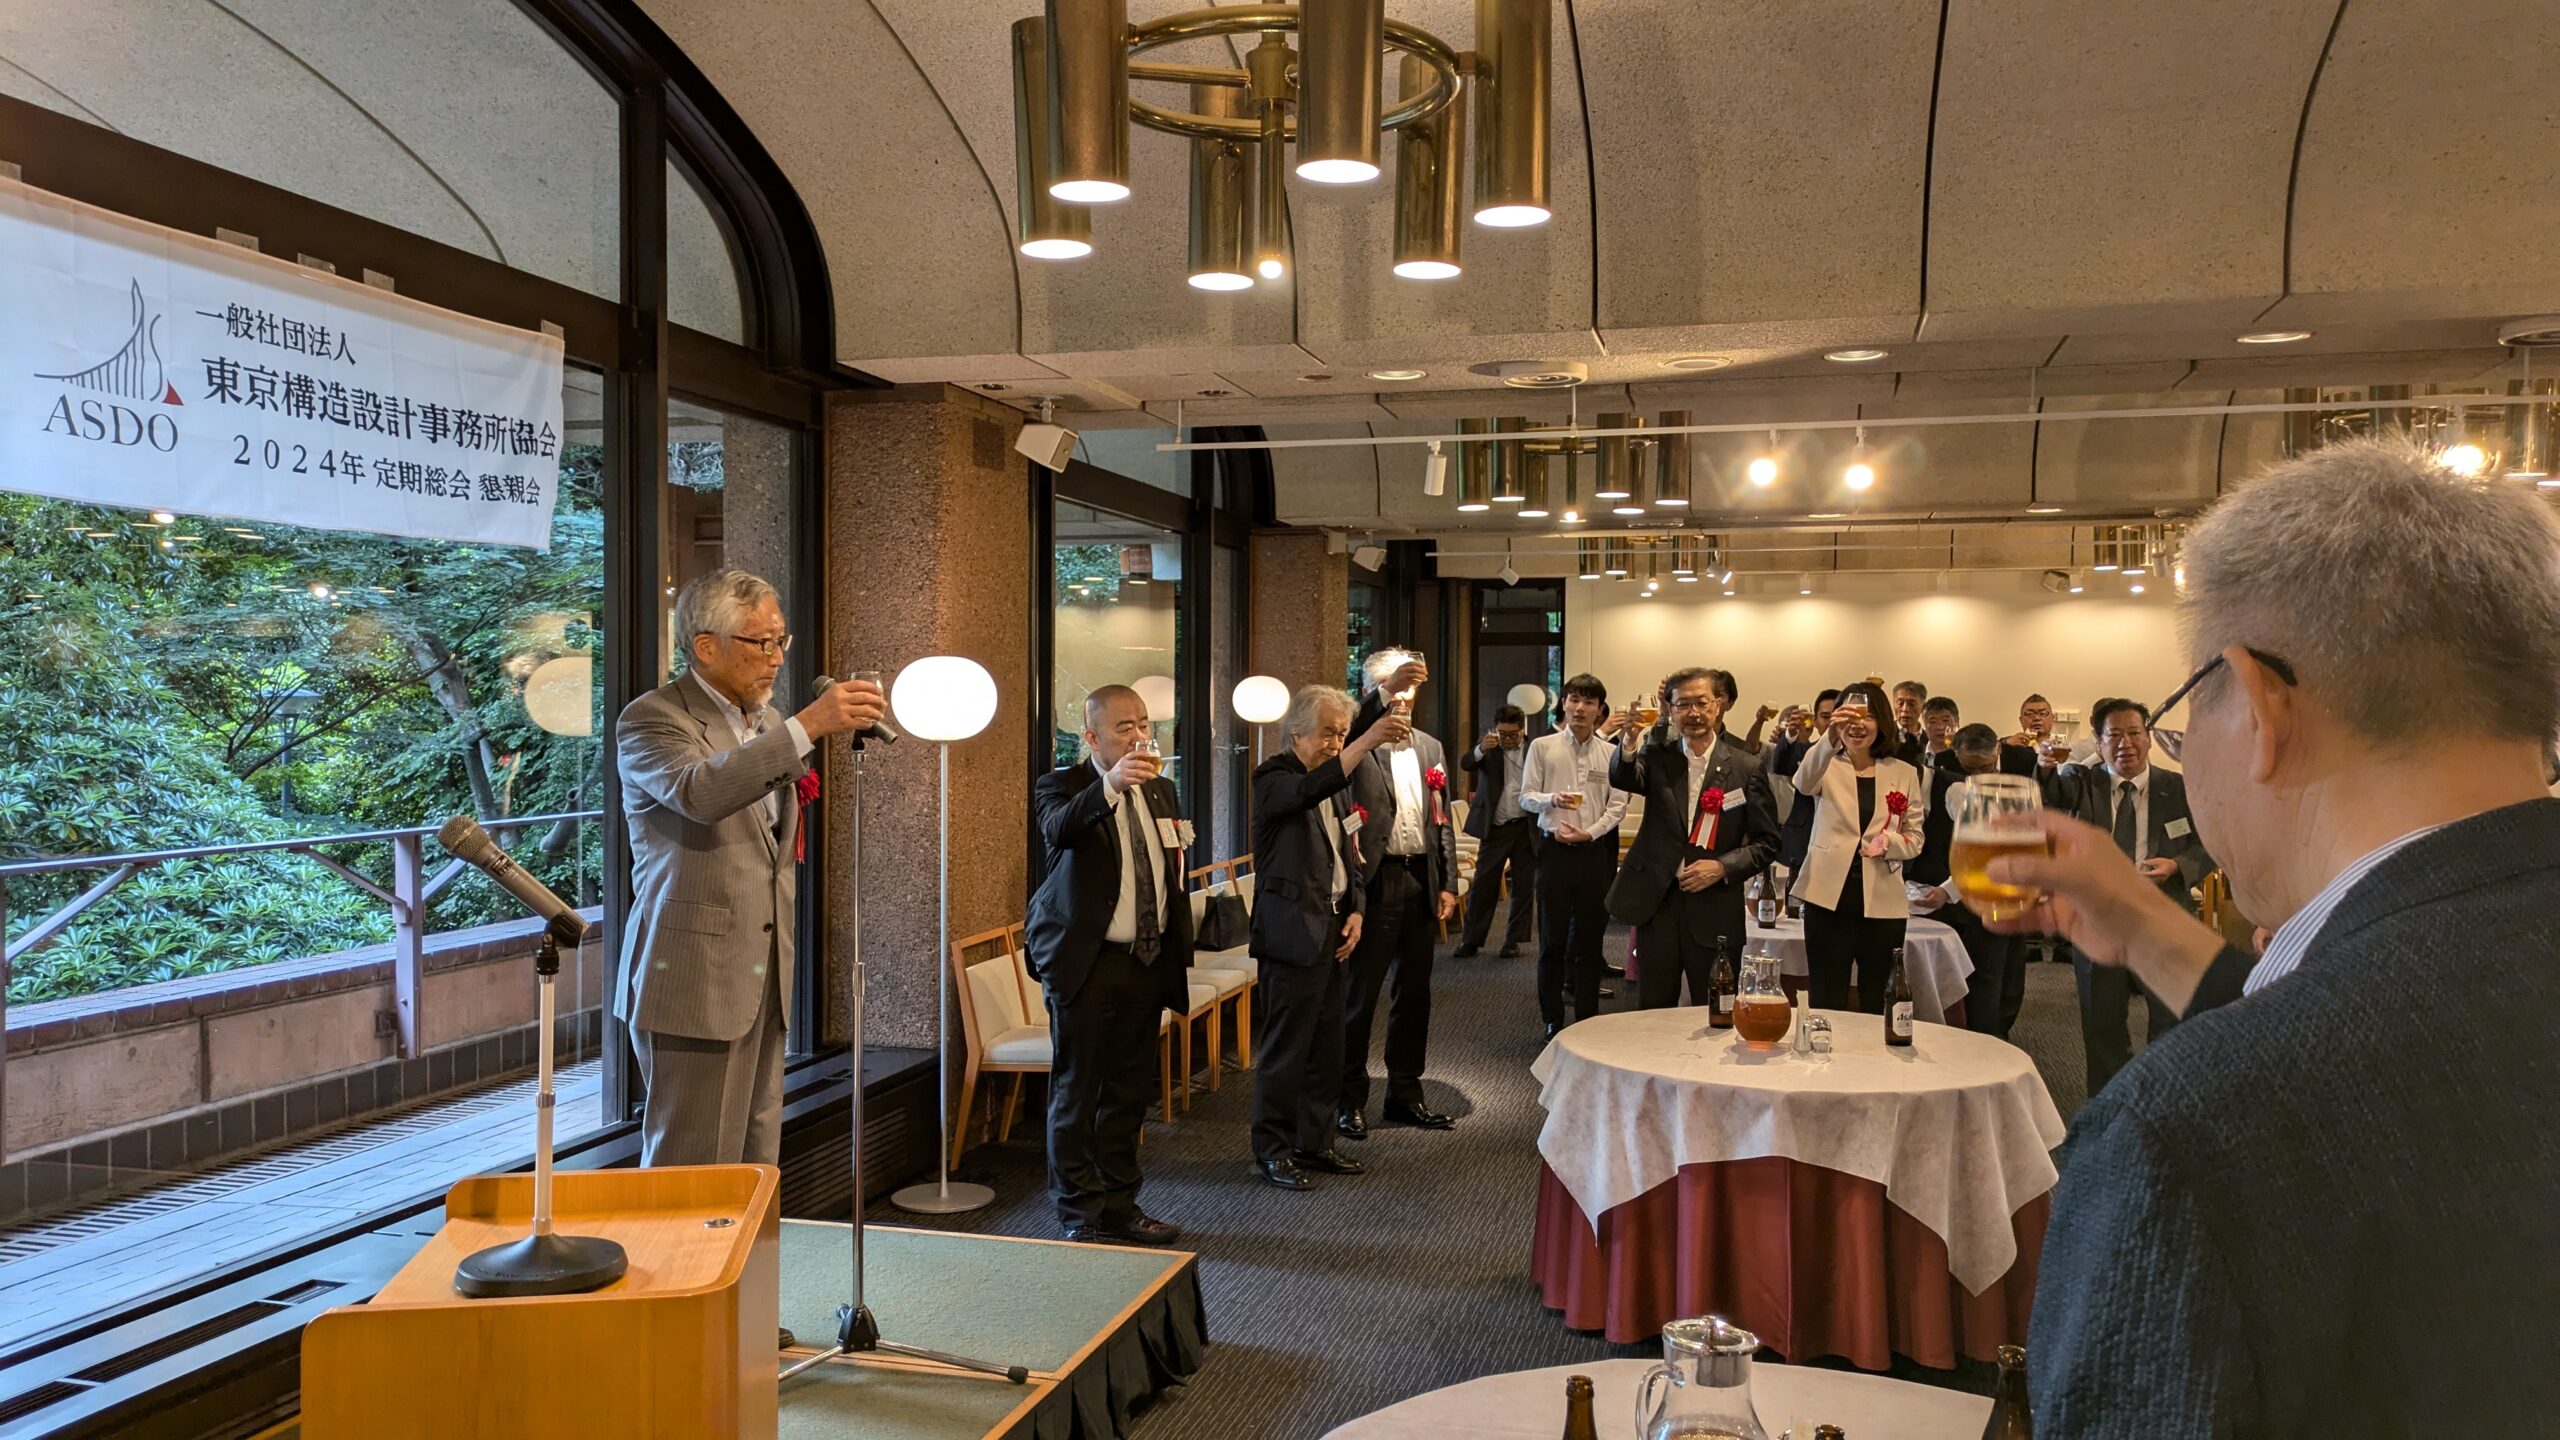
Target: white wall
[{"x": 1989, "y": 641}]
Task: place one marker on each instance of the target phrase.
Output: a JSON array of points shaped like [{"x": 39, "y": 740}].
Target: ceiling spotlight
[
  {"x": 1435, "y": 471},
  {"x": 1804, "y": 584},
  {"x": 1728, "y": 594},
  {"x": 1853, "y": 357},
  {"x": 163, "y": 517},
  {"x": 1699, "y": 362},
  {"x": 1860, "y": 475},
  {"x": 2465, "y": 459},
  {"x": 1763, "y": 471},
  {"x": 2075, "y": 586},
  {"x": 1395, "y": 374},
  {"x": 1369, "y": 556},
  {"x": 1686, "y": 579},
  {"x": 1506, "y": 574},
  {"x": 2136, "y": 587},
  {"x": 1271, "y": 267},
  {"x": 1652, "y": 585},
  {"x": 2274, "y": 337}
]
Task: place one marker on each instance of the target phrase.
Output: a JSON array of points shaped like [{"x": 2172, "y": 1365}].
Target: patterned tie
[
  {"x": 1141, "y": 860},
  {"x": 2124, "y": 817}
]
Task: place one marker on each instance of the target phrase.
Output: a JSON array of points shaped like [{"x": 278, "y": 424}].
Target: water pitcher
[{"x": 1702, "y": 1388}]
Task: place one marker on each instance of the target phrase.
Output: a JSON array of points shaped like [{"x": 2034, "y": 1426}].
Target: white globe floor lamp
[
  {"x": 943, "y": 698},
  {"x": 1261, "y": 699},
  {"x": 1531, "y": 699}
]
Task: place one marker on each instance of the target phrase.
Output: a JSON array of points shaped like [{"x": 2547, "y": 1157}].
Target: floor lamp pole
[
  {"x": 943, "y": 1197},
  {"x": 857, "y": 1332}
]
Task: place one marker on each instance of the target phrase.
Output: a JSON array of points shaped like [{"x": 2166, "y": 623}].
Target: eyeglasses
[
  {"x": 770, "y": 647},
  {"x": 1692, "y": 703},
  {"x": 2173, "y": 742}
]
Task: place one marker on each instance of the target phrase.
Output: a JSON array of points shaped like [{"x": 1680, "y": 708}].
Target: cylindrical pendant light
[
  {"x": 1475, "y": 468},
  {"x": 1617, "y": 460},
  {"x": 1613, "y": 556},
  {"x": 1045, "y": 227},
  {"x": 1639, "y": 477},
  {"x": 1430, "y": 159},
  {"x": 1535, "y": 507},
  {"x": 1513, "y": 111},
  {"x": 1088, "y": 100},
  {"x": 1671, "y": 463},
  {"x": 1267, "y": 95},
  {"x": 1569, "y": 504},
  {"x": 1510, "y": 462},
  {"x": 1684, "y": 555},
  {"x": 1587, "y": 559},
  {"x": 1339, "y": 66},
  {"x": 1221, "y": 178}
]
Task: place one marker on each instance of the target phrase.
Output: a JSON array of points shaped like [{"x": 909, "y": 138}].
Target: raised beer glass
[{"x": 1996, "y": 817}]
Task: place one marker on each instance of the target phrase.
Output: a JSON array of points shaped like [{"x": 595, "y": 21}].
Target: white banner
[{"x": 145, "y": 368}]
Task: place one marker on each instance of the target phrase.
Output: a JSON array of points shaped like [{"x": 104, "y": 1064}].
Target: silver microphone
[
  {"x": 463, "y": 836},
  {"x": 879, "y": 729}
]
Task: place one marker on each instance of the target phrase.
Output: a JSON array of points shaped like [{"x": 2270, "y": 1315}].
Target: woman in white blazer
[{"x": 1869, "y": 802}]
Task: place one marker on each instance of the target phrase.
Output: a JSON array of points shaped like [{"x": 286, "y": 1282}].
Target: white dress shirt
[
  {"x": 1123, "y": 929},
  {"x": 2141, "y": 809},
  {"x": 1406, "y": 769},
  {"x": 740, "y": 729},
  {"x": 1699, "y": 765},
  {"x": 1556, "y": 766},
  {"x": 1506, "y": 806},
  {"x": 2293, "y": 938},
  {"x": 1332, "y": 828}
]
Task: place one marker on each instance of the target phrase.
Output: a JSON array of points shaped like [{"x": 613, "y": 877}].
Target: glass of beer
[
  {"x": 1760, "y": 1009},
  {"x": 1996, "y": 817},
  {"x": 1648, "y": 711}
]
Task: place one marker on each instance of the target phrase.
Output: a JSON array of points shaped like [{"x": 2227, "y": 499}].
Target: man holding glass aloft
[{"x": 1709, "y": 824}]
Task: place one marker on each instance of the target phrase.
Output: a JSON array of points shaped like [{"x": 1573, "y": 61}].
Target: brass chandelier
[{"x": 1072, "y": 68}]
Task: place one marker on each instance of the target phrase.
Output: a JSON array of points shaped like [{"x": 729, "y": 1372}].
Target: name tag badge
[
  {"x": 2179, "y": 829},
  {"x": 1350, "y": 824},
  {"x": 1166, "y": 835}
]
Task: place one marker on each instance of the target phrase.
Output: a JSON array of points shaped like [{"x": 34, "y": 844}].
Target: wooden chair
[{"x": 1004, "y": 1028}]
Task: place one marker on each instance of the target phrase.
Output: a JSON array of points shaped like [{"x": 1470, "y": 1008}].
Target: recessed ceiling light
[
  {"x": 1699, "y": 362},
  {"x": 2274, "y": 337},
  {"x": 2044, "y": 509},
  {"x": 1395, "y": 374},
  {"x": 1853, "y": 357}
]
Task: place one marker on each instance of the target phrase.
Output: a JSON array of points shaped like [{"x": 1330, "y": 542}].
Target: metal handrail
[{"x": 407, "y": 896}]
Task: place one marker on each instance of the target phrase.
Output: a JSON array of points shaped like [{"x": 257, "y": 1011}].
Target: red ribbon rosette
[
  {"x": 1702, "y": 827},
  {"x": 1436, "y": 778},
  {"x": 1897, "y": 804},
  {"x": 807, "y": 788}
]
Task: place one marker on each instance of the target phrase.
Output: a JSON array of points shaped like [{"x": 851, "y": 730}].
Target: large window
[{"x": 1118, "y": 584}]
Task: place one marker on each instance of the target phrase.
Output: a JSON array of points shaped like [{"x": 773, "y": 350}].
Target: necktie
[
  {"x": 1142, "y": 864},
  {"x": 2124, "y": 817}
]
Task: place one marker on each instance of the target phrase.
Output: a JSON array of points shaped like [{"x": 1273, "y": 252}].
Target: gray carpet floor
[{"x": 1326, "y": 1305}]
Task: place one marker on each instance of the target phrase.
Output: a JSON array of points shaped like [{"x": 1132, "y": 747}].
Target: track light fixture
[
  {"x": 1435, "y": 471},
  {"x": 1860, "y": 475}
]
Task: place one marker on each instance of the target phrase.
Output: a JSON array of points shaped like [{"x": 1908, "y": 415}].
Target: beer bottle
[
  {"x": 1577, "y": 1409},
  {"x": 1722, "y": 983},
  {"x": 2010, "y": 1419},
  {"x": 1764, "y": 905},
  {"x": 1897, "y": 1003}
]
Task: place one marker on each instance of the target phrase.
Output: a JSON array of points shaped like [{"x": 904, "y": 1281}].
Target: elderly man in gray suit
[{"x": 709, "y": 770}]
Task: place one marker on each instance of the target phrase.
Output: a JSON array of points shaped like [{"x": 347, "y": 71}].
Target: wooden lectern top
[{"x": 669, "y": 1221}]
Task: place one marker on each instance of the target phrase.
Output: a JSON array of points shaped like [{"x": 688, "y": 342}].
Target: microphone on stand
[
  {"x": 879, "y": 729},
  {"x": 463, "y": 836}
]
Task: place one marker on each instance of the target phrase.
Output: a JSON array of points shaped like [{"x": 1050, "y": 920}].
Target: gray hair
[
  {"x": 712, "y": 604},
  {"x": 1381, "y": 664},
  {"x": 2410, "y": 602},
  {"x": 1101, "y": 697},
  {"x": 1977, "y": 741},
  {"x": 1307, "y": 707}
]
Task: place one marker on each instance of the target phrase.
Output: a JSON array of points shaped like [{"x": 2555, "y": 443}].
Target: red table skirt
[{"x": 1814, "y": 1261}]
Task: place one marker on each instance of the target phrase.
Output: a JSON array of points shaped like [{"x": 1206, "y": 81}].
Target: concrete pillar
[
  {"x": 928, "y": 552},
  {"x": 1301, "y": 609}
]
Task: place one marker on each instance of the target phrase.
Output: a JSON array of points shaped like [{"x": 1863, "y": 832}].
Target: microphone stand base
[
  {"x": 858, "y": 1334},
  {"x": 541, "y": 1265}
]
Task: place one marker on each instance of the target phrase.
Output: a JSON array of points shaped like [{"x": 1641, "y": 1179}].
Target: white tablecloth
[
  {"x": 1531, "y": 1403},
  {"x": 1958, "y": 1128},
  {"x": 1932, "y": 957}
]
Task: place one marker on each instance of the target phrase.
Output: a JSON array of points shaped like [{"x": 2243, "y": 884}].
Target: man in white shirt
[
  {"x": 1411, "y": 873},
  {"x": 1566, "y": 785}
]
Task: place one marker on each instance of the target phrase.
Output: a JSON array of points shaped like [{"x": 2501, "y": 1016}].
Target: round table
[
  {"x": 1933, "y": 959},
  {"x": 1872, "y": 1201},
  {"x": 1531, "y": 1403}
]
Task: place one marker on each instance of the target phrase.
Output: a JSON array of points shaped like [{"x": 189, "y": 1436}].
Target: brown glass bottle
[
  {"x": 1577, "y": 1409},
  {"x": 1897, "y": 1003},
  {"x": 1723, "y": 986},
  {"x": 2010, "y": 1419}
]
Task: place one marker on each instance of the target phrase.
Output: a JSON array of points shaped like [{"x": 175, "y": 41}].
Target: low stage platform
[{"x": 1104, "y": 1330}]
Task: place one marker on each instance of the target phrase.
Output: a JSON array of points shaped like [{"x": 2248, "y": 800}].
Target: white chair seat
[
  {"x": 1021, "y": 1045},
  {"x": 1225, "y": 982},
  {"x": 1234, "y": 957},
  {"x": 1202, "y": 994}
]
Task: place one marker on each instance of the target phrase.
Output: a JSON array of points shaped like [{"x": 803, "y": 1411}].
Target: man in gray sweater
[{"x": 2328, "y": 1203}]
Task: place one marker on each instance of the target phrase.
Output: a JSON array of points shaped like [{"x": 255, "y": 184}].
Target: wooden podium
[{"x": 681, "y": 1346}]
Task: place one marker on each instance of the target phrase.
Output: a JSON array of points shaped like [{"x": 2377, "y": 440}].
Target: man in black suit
[
  {"x": 1307, "y": 901},
  {"x": 1506, "y": 837},
  {"x": 1409, "y": 864},
  {"x": 1109, "y": 936},
  {"x": 1709, "y": 824},
  {"x": 2360, "y": 1124},
  {"x": 2145, "y": 809},
  {"x": 1999, "y": 982},
  {"x": 1909, "y": 698}
]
